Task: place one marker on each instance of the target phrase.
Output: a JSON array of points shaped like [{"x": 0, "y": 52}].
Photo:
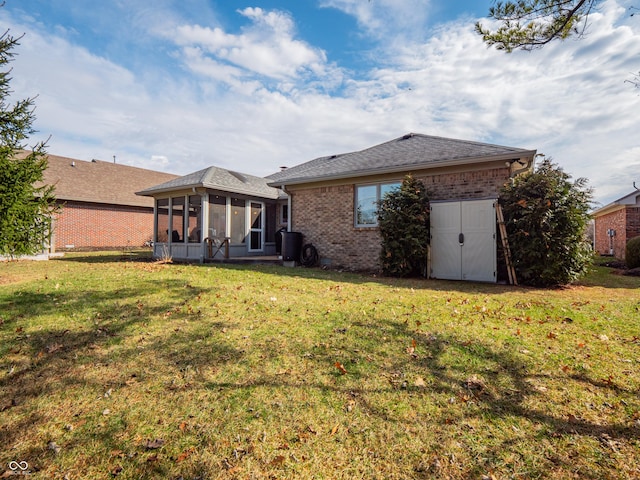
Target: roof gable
[
  {"x": 630, "y": 200},
  {"x": 100, "y": 182},
  {"x": 409, "y": 152}
]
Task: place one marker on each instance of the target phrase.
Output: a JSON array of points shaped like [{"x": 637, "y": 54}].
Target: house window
[
  {"x": 284, "y": 214},
  {"x": 367, "y": 198}
]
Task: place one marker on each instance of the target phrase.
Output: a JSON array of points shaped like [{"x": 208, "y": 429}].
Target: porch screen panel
[
  {"x": 256, "y": 229},
  {"x": 238, "y": 222},
  {"x": 162, "y": 222},
  {"x": 270, "y": 223},
  {"x": 195, "y": 219},
  {"x": 177, "y": 219},
  {"x": 217, "y": 216}
]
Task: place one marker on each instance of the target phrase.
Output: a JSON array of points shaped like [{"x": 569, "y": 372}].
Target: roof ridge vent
[{"x": 407, "y": 136}]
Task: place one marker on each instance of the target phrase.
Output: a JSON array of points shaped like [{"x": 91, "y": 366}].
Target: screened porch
[{"x": 210, "y": 225}]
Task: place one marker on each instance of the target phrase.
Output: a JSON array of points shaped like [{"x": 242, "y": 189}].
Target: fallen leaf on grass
[
  {"x": 551, "y": 335},
  {"x": 152, "y": 458},
  {"x": 186, "y": 454},
  {"x": 54, "y": 347},
  {"x": 277, "y": 461},
  {"x": 54, "y": 447},
  {"x": 341, "y": 368},
  {"x": 182, "y": 426},
  {"x": 153, "y": 444},
  {"x": 419, "y": 382},
  {"x": 116, "y": 471},
  {"x": 334, "y": 430}
]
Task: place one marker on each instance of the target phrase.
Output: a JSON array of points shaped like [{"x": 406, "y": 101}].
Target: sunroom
[{"x": 215, "y": 214}]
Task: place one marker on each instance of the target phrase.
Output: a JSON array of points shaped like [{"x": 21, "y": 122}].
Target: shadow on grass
[
  {"x": 499, "y": 386},
  {"x": 599, "y": 275},
  {"x": 99, "y": 319},
  {"x": 111, "y": 256}
]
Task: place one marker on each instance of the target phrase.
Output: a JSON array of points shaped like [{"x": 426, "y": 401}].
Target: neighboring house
[
  {"x": 332, "y": 201},
  {"x": 215, "y": 212},
  {"x": 99, "y": 208},
  {"x": 616, "y": 224}
]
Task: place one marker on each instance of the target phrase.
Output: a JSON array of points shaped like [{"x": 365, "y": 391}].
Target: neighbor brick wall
[
  {"x": 633, "y": 222},
  {"x": 617, "y": 221},
  {"x": 85, "y": 225},
  {"x": 325, "y": 215}
]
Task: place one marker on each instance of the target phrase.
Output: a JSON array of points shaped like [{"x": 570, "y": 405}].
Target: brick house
[
  {"x": 616, "y": 224},
  {"x": 333, "y": 200},
  {"x": 99, "y": 205}
]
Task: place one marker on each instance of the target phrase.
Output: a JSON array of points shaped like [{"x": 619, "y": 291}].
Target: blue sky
[{"x": 179, "y": 85}]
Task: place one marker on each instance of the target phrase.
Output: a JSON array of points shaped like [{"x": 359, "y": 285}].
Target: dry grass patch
[{"x": 121, "y": 369}]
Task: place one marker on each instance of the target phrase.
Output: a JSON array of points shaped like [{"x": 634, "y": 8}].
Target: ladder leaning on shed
[{"x": 505, "y": 246}]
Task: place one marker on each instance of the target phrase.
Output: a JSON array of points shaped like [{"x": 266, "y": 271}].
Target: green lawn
[{"x": 128, "y": 369}]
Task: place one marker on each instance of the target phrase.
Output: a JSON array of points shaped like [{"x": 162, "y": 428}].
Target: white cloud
[
  {"x": 267, "y": 47},
  {"x": 252, "y": 107},
  {"x": 395, "y": 21}
]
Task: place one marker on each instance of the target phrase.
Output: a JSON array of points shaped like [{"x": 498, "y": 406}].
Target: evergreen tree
[
  {"x": 403, "y": 218},
  {"x": 530, "y": 24},
  {"x": 546, "y": 216},
  {"x": 26, "y": 206}
]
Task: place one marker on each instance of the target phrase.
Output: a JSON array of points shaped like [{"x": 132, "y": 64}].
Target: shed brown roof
[{"x": 101, "y": 182}]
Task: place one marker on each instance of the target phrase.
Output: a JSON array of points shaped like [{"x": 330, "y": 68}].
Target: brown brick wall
[
  {"x": 86, "y": 225},
  {"x": 325, "y": 215},
  {"x": 617, "y": 221},
  {"x": 633, "y": 222}
]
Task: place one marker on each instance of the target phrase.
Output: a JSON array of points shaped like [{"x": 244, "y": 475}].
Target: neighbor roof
[
  {"x": 633, "y": 199},
  {"x": 100, "y": 182},
  {"x": 217, "y": 178},
  {"x": 409, "y": 152}
]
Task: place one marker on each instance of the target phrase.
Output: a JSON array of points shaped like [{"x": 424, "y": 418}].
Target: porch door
[
  {"x": 256, "y": 230},
  {"x": 463, "y": 240}
]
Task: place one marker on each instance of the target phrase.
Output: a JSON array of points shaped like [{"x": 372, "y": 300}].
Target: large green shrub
[
  {"x": 546, "y": 217},
  {"x": 632, "y": 253},
  {"x": 403, "y": 218}
]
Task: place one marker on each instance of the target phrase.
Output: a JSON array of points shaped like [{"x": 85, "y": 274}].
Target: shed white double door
[{"x": 463, "y": 240}]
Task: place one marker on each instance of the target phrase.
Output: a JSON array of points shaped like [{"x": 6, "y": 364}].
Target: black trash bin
[
  {"x": 291, "y": 246},
  {"x": 279, "y": 240}
]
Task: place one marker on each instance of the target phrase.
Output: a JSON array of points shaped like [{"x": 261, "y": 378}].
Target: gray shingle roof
[
  {"x": 217, "y": 178},
  {"x": 403, "y": 154}
]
